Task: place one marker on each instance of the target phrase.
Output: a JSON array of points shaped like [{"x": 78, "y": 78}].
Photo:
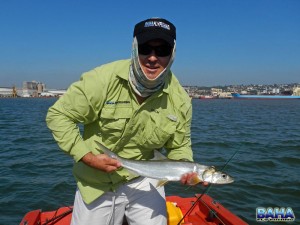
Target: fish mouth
[
  {"x": 211, "y": 175},
  {"x": 223, "y": 180}
]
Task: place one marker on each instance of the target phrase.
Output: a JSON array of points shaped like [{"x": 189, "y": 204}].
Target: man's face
[{"x": 153, "y": 58}]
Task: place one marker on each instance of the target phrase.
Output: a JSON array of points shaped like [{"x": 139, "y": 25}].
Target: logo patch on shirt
[
  {"x": 117, "y": 102},
  {"x": 172, "y": 118}
]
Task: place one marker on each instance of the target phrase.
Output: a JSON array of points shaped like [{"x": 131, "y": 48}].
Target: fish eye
[{"x": 224, "y": 175}]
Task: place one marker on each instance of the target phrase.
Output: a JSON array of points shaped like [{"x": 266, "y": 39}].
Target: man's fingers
[
  {"x": 101, "y": 162},
  {"x": 192, "y": 179}
]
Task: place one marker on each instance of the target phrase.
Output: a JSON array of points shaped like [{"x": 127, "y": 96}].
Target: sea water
[{"x": 264, "y": 136}]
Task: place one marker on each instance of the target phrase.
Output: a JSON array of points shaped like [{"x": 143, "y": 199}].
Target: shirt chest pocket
[
  {"x": 112, "y": 122},
  {"x": 158, "y": 130}
]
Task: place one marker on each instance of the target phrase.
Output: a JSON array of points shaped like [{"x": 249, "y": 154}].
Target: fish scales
[
  {"x": 170, "y": 170},
  {"x": 162, "y": 169}
]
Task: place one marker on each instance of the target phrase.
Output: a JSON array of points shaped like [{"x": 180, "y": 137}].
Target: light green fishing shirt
[{"x": 104, "y": 102}]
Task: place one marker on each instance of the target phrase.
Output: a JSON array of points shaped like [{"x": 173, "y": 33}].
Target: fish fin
[
  {"x": 195, "y": 180},
  {"x": 162, "y": 183},
  {"x": 158, "y": 155}
]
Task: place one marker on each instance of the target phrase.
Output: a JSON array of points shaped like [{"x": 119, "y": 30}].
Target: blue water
[{"x": 264, "y": 134}]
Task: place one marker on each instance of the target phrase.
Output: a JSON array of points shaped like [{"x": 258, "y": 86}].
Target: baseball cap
[{"x": 155, "y": 28}]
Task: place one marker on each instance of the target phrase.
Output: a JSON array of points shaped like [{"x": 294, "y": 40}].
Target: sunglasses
[{"x": 161, "y": 50}]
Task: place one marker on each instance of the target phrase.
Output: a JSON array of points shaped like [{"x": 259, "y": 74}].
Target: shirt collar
[{"x": 123, "y": 72}]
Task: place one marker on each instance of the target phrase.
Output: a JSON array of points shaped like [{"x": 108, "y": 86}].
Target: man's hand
[
  {"x": 191, "y": 179},
  {"x": 101, "y": 162}
]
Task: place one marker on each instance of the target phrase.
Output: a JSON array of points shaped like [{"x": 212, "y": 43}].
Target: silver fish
[{"x": 170, "y": 170}]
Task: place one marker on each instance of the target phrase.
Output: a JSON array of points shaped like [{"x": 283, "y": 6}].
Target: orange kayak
[{"x": 206, "y": 211}]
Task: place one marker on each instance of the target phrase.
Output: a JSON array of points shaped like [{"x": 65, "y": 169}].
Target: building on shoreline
[
  {"x": 30, "y": 89},
  {"x": 38, "y": 89},
  {"x": 226, "y": 91},
  {"x": 33, "y": 88},
  {"x": 7, "y": 92}
]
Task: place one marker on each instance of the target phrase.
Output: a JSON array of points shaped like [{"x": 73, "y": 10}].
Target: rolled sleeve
[{"x": 74, "y": 107}]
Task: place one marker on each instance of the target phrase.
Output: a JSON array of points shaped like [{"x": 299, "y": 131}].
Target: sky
[{"x": 219, "y": 42}]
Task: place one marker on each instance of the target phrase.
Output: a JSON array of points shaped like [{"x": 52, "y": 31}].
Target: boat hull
[
  {"x": 207, "y": 211},
  {"x": 239, "y": 96}
]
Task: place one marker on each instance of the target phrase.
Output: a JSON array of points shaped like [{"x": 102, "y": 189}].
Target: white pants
[{"x": 139, "y": 201}]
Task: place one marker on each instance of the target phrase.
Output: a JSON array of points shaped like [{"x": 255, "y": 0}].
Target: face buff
[{"x": 140, "y": 83}]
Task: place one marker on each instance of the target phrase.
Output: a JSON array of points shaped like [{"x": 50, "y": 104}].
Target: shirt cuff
[{"x": 79, "y": 150}]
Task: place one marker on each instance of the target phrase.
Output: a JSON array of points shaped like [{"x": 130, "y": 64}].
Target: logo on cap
[{"x": 157, "y": 24}]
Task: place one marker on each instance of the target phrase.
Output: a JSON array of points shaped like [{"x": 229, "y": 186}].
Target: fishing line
[
  {"x": 229, "y": 160},
  {"x": 205, "y": 191}
]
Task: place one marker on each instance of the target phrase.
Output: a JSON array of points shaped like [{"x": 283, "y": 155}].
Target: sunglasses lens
[
  {"x": 161, "y": 51},
  {"x": 145, "y": 49}
]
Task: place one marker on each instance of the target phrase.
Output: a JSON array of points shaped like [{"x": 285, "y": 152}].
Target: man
[{"x": 132, "y": 107}]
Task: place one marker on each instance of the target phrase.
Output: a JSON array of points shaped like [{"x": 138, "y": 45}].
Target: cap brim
[{"x": 145, "y": 37}]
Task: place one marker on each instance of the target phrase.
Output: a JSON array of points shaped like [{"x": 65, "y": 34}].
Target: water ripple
[{"x": 264, "y": 134}]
